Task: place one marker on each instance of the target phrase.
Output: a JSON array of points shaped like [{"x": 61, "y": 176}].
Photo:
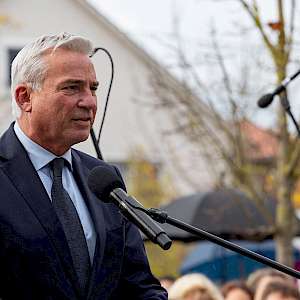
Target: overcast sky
[
  {"x": 142, "y": 19},
  {"x": 151, "y": 23}
]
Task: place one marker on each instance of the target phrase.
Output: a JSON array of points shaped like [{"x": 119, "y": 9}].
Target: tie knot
[{"x": 57, "y": 165}]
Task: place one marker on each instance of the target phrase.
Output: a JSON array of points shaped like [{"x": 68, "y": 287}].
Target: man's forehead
[
  {"x": 77, "y": 66},
  {"x": 65, "y": 58},
  {"x": 62, "y": 50}
]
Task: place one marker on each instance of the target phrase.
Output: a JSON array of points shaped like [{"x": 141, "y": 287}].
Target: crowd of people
[{"x": 263, "y": 284}]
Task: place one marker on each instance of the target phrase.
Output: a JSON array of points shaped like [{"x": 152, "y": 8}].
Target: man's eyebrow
[
  {"x": 71, "y": 81},
  {"x": 78, "y": 81}
]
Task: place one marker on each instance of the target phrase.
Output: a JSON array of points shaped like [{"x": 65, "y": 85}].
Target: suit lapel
[
  {"x": 18, "y": 167},
  {"x": 81, "y": 173}
]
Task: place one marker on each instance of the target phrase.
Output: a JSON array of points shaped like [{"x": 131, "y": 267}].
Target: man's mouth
[{"x": 82, "y": 119}]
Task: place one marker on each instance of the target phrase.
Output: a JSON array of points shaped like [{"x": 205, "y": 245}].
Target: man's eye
[
  {"x": 71, "y": 87},
  {"x": 93, "y": 89}
]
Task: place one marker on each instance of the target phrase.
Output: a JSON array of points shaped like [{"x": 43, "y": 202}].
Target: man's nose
[{"x": 88, "y": 99}]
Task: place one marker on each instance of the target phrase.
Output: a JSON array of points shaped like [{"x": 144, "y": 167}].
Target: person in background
[
  {"x": 280, "y": 291},
  {"x": 194, "y": 287},
  {"x": 236, "y": 290},
  {"x": 166, "y": 281},
  {"x": 258, "y": 280}
]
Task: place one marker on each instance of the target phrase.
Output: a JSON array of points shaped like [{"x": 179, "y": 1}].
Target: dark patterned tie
[{"x": 71, "y": 224}]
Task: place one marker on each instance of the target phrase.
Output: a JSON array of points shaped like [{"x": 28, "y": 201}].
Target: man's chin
[{"x": 81, "y": 136}]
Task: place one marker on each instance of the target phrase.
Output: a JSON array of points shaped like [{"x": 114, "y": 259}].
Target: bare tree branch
[
  {"x": 290, "y": 38},
  {"x": 254, "y": 14}
]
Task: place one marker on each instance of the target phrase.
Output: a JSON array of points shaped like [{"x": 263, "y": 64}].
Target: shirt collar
[{"x": 38, "y": 155}]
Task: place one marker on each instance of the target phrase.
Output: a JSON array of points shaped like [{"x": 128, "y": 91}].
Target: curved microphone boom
[
  {"x": 108, "y": 186},
  {"x": 95, "y": 140}
]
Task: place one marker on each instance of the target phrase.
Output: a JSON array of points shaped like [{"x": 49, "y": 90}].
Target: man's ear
[{"x": 22, "y": 96}]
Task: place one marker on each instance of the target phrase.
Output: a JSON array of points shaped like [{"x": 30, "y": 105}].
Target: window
[{"x": 12, "y": 52}]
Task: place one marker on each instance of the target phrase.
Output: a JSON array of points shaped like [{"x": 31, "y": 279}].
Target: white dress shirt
[{"x": 40, "y": 159}]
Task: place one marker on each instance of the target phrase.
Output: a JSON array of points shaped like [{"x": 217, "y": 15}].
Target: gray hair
[{"x": 29, "y": 67}]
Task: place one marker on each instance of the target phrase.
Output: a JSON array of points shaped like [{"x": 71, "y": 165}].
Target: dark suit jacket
[{"x": 35, "y": 262}]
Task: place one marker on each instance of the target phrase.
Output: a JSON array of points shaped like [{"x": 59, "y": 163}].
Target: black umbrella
[{"x": 226, "y": 213}]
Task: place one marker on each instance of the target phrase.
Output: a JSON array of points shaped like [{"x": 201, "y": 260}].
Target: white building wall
[{"x": 128, "y": 123}]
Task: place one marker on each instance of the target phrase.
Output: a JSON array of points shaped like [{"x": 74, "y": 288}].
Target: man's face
[{"x": 62, "y": 112}]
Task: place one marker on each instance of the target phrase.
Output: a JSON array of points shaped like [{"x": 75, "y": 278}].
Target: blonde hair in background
[{"x": 190, "y": 282}]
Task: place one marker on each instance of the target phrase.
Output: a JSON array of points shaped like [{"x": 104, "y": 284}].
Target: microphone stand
[
  {"x": 162, "y": 217},
  {"x": 286, "y": 105}
]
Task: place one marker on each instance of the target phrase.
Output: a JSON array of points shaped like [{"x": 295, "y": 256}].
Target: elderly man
[{"x": 57, "y": 240}]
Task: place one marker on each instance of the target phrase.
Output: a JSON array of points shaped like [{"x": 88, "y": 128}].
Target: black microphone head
[
  {"x": 265, "y": 100},
  {"x": 103, "y": 180}
]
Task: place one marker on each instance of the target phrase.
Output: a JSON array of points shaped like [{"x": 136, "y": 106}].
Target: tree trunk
[{"x": 284, "y": 211}]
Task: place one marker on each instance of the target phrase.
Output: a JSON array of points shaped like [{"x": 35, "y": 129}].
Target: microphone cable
[{"x": 96, "y": 140}]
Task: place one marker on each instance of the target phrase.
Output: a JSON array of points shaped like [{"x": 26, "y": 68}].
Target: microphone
[
  {"x": 107, "y": 185},
  {"x": 267, "y": 99}
]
